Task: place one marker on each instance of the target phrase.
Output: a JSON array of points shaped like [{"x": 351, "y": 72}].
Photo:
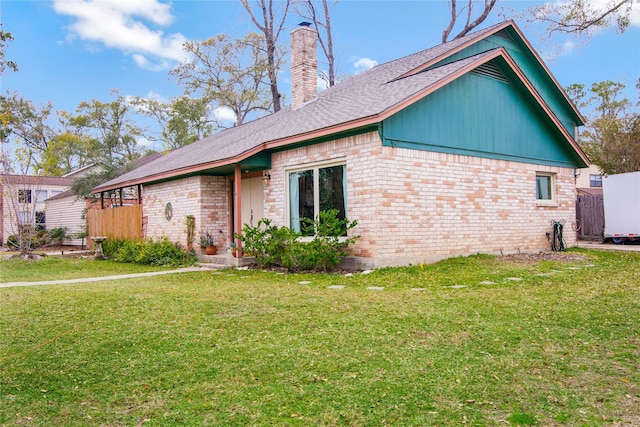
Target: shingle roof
[
  {"x": 366, "y": 95},
  {"x": 36, "y": 180}
]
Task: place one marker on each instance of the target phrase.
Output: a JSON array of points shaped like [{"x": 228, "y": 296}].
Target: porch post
[
  {"x": 237, "y": 206},
  {"x": 120, "y": 196},
  {"x": 139, "y": 194},
  {"x": 102, "y": 200}
]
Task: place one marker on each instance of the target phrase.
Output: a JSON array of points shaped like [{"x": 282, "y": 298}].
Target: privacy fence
[
  {"x": 590, "y": 216},
  {"x": 117, "y": 223}
]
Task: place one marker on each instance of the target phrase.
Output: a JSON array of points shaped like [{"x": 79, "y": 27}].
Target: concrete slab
[{"x": 629, "y": 247}]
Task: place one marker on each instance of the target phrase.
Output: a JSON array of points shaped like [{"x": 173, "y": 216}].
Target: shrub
[
  {"x": 56, "y": 236},
  {"x": 148, "y": 252},
  {"x": 37, "y": 238},
  {"x": 280, "y": 246}
]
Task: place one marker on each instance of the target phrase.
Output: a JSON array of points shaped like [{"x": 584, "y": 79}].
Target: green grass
[
  {"x": 258, "y": 348},
  {"x": 53, "y": 267}
]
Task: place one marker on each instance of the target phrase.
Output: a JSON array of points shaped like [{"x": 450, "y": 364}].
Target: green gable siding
[
  {"x": 480, "y": 116},
  {"x": 532, "y": 69}
]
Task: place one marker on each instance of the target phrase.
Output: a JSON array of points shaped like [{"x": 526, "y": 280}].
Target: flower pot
[
  {"x": 237, "y": 253},
  {"x": 210, "y": 250}
]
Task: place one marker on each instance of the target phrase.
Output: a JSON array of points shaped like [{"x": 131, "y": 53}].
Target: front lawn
[
  {"x": 468, "y": 341},
  {"x": 58, "y": 268}
]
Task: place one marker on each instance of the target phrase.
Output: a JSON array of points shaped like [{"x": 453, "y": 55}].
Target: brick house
[{"x": 462, "y": 148}]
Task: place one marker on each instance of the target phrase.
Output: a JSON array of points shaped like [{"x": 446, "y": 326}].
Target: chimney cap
[{"x": 305, "y": 24}]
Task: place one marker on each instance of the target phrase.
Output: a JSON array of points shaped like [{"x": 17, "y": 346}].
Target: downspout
[{"x": 237, "y": 207}]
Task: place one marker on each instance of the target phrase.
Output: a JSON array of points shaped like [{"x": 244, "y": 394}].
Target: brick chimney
[{"x": 304, "y": 64}]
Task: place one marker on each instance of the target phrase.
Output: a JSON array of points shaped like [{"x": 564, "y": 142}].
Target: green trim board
[{"x": 482, "y": 116}]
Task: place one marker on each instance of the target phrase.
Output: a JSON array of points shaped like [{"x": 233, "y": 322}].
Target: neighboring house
[
  {"x": 66, "y": 210},
  {"x": 463, "y": 148},
  {"x": 590, "y": 180},
  {"x": 22, "y": 200}
]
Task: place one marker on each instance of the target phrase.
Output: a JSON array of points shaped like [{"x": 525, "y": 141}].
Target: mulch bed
[{"x": 544, "y": 256}]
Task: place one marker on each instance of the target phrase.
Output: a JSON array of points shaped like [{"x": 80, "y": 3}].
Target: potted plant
[
  {"x": 237, "y": 253},
  {"x": 207, "y": 242}
]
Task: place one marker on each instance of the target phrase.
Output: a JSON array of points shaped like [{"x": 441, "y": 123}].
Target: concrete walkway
[
  {"x": 101, "y": 279},
  {"x": 585, "y": 244}
]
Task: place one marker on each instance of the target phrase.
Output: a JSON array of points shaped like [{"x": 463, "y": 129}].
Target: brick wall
[
  {"x": 420, "y": 206},
  {"x": 204, "y": 197}
]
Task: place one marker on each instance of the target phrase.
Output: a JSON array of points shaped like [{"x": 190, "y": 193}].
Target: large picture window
[{"x": 314, "y": 190}]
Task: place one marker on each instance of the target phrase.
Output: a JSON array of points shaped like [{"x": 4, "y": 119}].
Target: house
[
  {"x": 22, "y": 200},
  {"x": 589, "y": 180},
  {"x": 68, "y": 211},
  {"x": 462, "y": 148}
]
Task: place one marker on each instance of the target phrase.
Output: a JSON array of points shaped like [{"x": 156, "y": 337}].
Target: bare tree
[
  {"x": 467, "y": 9},
  {"x": 307, "y": 10},
  {"x": 583, "y": 17},
  {"x": 18, "y": 197},
  {"x": 231, "y": 73},
  {"x": 265, "y": 20}
]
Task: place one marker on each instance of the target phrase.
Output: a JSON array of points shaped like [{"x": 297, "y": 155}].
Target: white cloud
[
  {"x": 144, "y": 142},
  {"x": 363, "y": 64},
  {"x": 567, "y": 48},
  {"x": 323, "y": 81},
  {"x": 225, "y": 114},
  {"x": 127, "y": 25},
  {"x": 144, "y": 63}
]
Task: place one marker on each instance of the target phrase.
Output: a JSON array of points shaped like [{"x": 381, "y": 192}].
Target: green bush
[
  {"x": 56, "y": 236},
  {"x": 111, "y": 246},
  {"x": 273, "y": 246},
  {"x": 38, "y": 238},
  {"x": 147, "y": 252}
]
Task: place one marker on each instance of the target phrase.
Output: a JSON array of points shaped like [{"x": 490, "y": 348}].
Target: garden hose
[{"x": 557, "y": 242}]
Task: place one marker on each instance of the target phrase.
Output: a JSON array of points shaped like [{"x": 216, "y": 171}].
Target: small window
[
  {"x": 41, "y": 220},
  {"x": 544, "y": 187},
  {"x": 24, "y": 196},
  {"x": 595, "y": 180}
]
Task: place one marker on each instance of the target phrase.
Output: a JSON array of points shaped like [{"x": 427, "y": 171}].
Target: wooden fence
[
  {"x": 124, "y": 222},
  {"x": 590, "y": 216}
]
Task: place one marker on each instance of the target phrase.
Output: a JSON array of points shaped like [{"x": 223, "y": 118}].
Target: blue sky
[{"x": 74, "y": 51}]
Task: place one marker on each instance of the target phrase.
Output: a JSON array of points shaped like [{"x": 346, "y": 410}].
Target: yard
[{"x": 476, "y": 341}]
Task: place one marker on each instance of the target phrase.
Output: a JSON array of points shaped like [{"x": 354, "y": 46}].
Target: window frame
[
  {"x": 595, "y": 179},
  {"x": 25, "y": 196},
  {"x": 38, "y": 193},
  {"x": 552, "y": 189},
  {"x": 315, "y": 167}
]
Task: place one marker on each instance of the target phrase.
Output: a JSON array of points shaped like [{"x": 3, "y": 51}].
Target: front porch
[{"x": 225, "y": 260}]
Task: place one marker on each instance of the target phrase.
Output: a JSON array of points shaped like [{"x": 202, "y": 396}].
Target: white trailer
[{"x": 621, "y": 195}]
